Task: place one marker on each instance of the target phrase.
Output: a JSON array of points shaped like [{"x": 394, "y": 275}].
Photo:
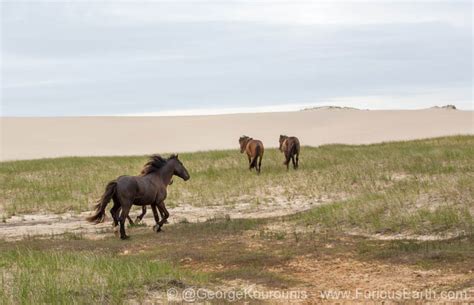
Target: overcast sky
[{"x": 105, "y": 58}]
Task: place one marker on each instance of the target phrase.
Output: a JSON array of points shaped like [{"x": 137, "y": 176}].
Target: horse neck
[
  {"x": 247, "y": 143},
  {"x": 166, "y": 173}
]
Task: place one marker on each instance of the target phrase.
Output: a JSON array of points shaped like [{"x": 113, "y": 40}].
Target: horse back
[
  {"x": 293, "y": 145},
  {"x": 254, "y": 148},
  {"x": 138, "y": 189}
]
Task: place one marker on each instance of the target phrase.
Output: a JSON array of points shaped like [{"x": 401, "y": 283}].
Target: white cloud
[
  {"x": 457, "y": 13},
  {"x": 232, "y": 54}
]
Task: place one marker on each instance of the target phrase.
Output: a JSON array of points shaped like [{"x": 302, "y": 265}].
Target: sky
[{"x": 176, "y": 57}]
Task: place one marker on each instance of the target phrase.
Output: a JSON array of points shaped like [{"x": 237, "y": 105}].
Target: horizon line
[{"x": 243, "y": 110}]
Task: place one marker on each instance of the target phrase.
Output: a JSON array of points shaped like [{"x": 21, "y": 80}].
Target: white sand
[{"x": 32, "y": 138}]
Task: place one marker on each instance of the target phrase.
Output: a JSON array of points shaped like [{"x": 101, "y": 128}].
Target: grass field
[
  {"x": 423, "y": 188},
  {"x": 222, "y": 253}
]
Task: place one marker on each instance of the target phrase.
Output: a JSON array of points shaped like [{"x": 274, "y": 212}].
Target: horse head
[
  {"x": 243, "y": 140},
  {"x": 282, "y": 140},
  {"x": 179, "y": 169}
]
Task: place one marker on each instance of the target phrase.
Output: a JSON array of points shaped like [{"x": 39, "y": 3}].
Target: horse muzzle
[{"x": 186, "y": 176}]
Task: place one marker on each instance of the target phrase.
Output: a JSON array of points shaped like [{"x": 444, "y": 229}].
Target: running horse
[
  {"x": 140, "y": 217},
  {"x": 254, "y": 150},
  {"x": 149, "y": 188},
  {"x": 290, "y": 146}
]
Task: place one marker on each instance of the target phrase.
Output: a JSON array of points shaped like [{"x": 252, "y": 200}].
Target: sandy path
[
  {"x": 48, "y": 225},
  {"x": 347, "y": 281},
  {"x": 24, "y": 226},
  {"x": 32, "y": 138}
]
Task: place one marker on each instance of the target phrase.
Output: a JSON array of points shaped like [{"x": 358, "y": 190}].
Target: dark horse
[
  {"x": 254, "y": 150},
  {"x": 147, "y": 189},
  {"x": 290, "y": 146},
  {"x": 140, "y": 217}
]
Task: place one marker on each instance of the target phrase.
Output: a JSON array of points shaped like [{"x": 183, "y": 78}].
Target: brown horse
[
  {"x": 254, "y": 150},
  {"x": 290, "y": 146},
  {"x": 147, "y": 189}
]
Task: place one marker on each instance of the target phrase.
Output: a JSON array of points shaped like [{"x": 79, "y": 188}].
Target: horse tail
[
  {"x": 295, "y": 149},
  {"x": 99, "y": 215},
  {"x": 257, "y": 154},
  {"x": 292, "y": 149}
]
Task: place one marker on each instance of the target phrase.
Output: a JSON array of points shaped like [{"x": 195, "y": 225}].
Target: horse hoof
[
  {"x": 157, "y": 228},
  {"x": 137, "y": 220},
  {"x": 124, "y": 237}
]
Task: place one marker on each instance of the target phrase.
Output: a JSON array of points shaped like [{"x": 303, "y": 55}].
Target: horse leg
[
  {"x": 297, "y": 161},
  {"x": 254, "y": 163},
  {"x": 140, "y": 217},
  {"x": 162, "y": 208},
  {"x": 293, "y": 161},
  {"x": 114, "y": 211},
  {"x": 156, "y": 227},
  {"x": 250, "y": 162},
  {"x": 260, "y": 164},
  {"x": 162, "y": 214},
  {"x": 123, "y": 215}
]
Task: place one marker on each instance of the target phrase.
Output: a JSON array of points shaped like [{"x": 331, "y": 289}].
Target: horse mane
[
  {"x": 245, "y": 138},
  {"x": 154, "y": 164}
]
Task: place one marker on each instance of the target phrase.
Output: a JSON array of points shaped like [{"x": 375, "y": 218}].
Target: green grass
[
  {"x": 423, "y": 186},
  {"x": 207, "y": 254},
  {"x": 418, "y": 187},
  {"x": 110, "y": 271},
  {"x": 58, "y": 277}
]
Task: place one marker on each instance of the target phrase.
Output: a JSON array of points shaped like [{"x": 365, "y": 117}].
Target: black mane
[{"x": 155, "y": 163}]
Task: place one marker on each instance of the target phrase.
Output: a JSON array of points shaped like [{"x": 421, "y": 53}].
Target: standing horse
[
  {"x": 254, "y": 150},
  {"x": 147, "y": 189},
  {"x": 290, "y": 146}
]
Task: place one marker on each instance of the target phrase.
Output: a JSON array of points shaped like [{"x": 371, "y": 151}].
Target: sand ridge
[{"x": 33, "y": 138}]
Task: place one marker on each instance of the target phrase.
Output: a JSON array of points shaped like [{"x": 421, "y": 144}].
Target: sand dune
[{"x": 32, "y": 138}]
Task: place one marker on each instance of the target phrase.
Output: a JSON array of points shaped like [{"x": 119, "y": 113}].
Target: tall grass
[{"x": 424, "y": 185}]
